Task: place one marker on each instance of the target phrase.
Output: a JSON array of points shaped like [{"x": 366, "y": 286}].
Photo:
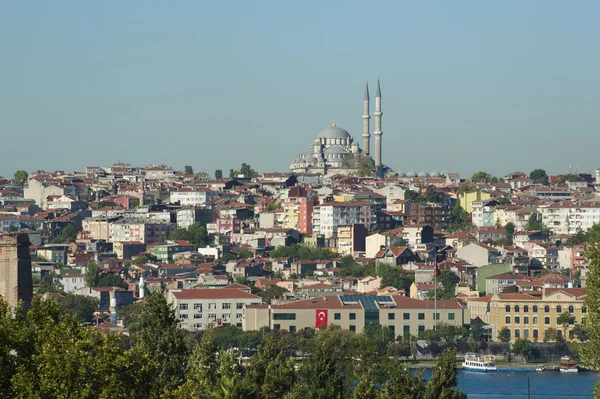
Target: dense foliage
[
  {"x": 302, "y": 252},
  {"x": 49, "y": 354},
  {"x": 195, "y": 234}
]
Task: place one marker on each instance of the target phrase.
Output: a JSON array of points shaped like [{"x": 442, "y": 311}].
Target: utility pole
[{"x": 435, "y": 275}]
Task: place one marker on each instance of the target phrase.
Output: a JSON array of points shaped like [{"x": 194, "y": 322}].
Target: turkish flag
[{"x": 321, "y": 318}]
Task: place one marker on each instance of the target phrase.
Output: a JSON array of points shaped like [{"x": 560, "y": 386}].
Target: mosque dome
[
  {"x": 334, "y": 132},
  {"x": 423, "y": 174},
  {"x": 401, "y": 174},
  {"x": 336, "y": 149},
  {"x": 411, "y": 174},
  {"x": 310, "y": 159}
]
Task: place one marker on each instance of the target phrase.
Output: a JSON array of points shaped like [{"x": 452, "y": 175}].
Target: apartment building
[
  {"x": 199, "y": 308},
  {"x": 556, "y": 217},
  {"x": 298, "y": 214},
  {"x": 582, "y": 217},
  {"x": 483, "y": 213},
  {"x": 404, "y": 316},
  {"x": 192, "y": 196},
  {"x": 328, "y": 216},
  {"x": 351, "y": 239},
  {"x": 140, "y": 230},
  {"x": 527, "y": 316},
  {"x": 97, "y": 228}
]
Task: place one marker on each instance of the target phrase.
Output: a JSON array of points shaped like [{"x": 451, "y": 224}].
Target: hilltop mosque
[{"x": 334, "y": 150}]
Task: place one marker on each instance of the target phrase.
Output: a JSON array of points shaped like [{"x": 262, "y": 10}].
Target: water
[{"x": 513, "y": 385}]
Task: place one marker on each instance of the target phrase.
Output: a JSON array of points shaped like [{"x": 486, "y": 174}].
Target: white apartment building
[
  {"x": 583, "y": 217},
  {"x": 328, "y": 216},
  {"x": 192, "y": 196},
  {"x": 556, "y": 217},
  {"x": 483, "y": 214},
  {"x": 199, "y": 308},
  {"x": 139, "y": 230}
]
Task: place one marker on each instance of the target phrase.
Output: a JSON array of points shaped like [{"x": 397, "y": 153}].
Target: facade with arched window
[{"x": 519, "y": 312}]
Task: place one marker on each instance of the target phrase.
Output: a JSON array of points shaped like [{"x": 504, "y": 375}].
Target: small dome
[
  {"x": 310, "y": 158},
  {"x": 336, "y": 149},
  {"x": 435, "y": 173},
  {"x": 334, "y": 132},
  {"x": 401, "y": 174},
  {"x": 411, "y": 174},
  {"x": 423, "y": 174}
]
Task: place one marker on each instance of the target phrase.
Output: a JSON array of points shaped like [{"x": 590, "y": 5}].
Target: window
[
  {"x": 507, "y": 308},
  {"x": 276, "y": 326},
  {"x": 517, "y": 333},
  {"x": 421, "y": 316},
  {"x": 525, "y": 308},
  {"x": 517, "y": 320},
  {"x": 517, "y": 308},
  {"x": 292, "y": 328},
  {"x": 535, "y": 308},
  {"x": 436, "y": 316},
  {"x": 391, "y": 316},
  {"x": 535, "y": 334},
  {"x": 239, "y": 306},
  {"x": 183, "y": 306},
  {"x": 406, "y": 332},
  {"x": 421, "y": 331},
  {"x": 525, "y": 334},
  {"x": 284, "y": 316},
  {"x": 571, "y": 309},
  {"x": 197, "y": 326},
  {"x": 353, "y": 317},
  {"x": 507, "y": 320},
  {"x": 226, "y": 306},
  {"x": 406, "y": 316},
  {"x": 353, "y": 328},
  {"x": 238, "y": 325},
  {"x": 571, "y": 334},
  {"x": 535, "y": 319},
  {"x": 559, "y": 309},
  {"x": 526, "y": 320},
  {"x": 212, "y": 306},
  {"x": 183, "y": 316},
  {"x": 584, "y": 310},
  {"x": 558, "y": 333},
  {"x": 547, "y": 309},
  {"x": 198, "y": 306},
  {"x": 197, "y": 315},
  {"x": 238, "y": 315},
  {"x": 451, "y": 316},
  {"x": 546, "y": 320}
]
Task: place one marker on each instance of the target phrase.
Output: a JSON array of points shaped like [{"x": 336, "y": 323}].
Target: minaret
[
  {"x": 366, "y": 136},
  {"x": 378, "y": 133}
]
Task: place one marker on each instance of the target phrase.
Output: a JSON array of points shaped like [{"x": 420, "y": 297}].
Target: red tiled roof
[{"x": 219, "y": 293}]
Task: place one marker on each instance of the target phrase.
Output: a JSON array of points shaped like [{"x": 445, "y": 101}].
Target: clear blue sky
[{"x": 467, "y": 85}]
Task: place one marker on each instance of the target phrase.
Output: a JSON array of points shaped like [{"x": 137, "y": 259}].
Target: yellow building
[
  {"x": 527, "y": 316},
  {"x": 467, "y": 198}
]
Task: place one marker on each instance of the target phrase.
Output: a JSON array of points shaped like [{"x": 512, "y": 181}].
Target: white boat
[
  {"x": 541, "y": 367},
  {"x": 567, "y": 365},
  {"x": 484, "y": 364}
]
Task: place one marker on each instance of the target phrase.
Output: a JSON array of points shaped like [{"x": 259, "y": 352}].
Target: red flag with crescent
[
  {"x": 436, "y": 267},
  {"x": 321, "y": 318}
]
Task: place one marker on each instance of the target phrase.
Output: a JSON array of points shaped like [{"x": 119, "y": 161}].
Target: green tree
[
  {"x": 459, "y": 219},
  {"x": 442, "y": 384},
  {"x": 539, "y": 176},
  {"x": 202, "y": 368},
  {"x": 20, "y": 177},
  {"x": 131, "y": 315},
  {"x": 550, "y": 335},
  {"x": 232, "y": 173},
  {"x": 504, "y": 335},
  {"x": 448, "y": 280},
  {"x": 524, "y": 348},
  {"x": 162, "y": 341},
  {"x": 79, "y": 307},
  {"x": 110, "y": 280},
  {"x": 591, "y": 349},
  {"x": 188, "y": 170},
  {"x": 483, "y": 177},
  {"x": 271, "y": 292},
  {"x": 271, "y": 371},
  {"x": 466, "y": 189},
  {"x": 92, "y": 275},
  {"x": 67, "y": 235},
  {"x": 195, "y": 234},
  {"x": 533, "y": 223},
  {"x": 219, "y": 174},
  {"x": 50, "y": 282},
  {"x": 247, "y": 170},
  {"x": 565, "y": 319}
]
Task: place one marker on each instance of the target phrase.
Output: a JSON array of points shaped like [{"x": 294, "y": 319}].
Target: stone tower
[
  {"x": 15, "y": 270},
  {"x": 366, "y": 135},
  {"x": 378, "y": 133}
]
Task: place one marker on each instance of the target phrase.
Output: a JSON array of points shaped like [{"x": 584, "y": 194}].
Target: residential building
[
  {"x": 140, "y": 230},
  {"x": 433, "y": 214},
  {"x": 479, "y": 254},
  {"x": 192, "y": 196},
  {"x": 97, "y": 228},
  {"x": 199, "y": 308},
  {"x": 165, "y": 252},
  {"x": 395, "y": 256},
  {"x": 496, "y": 283},
  {"x": 328, "y": 216},
  {"x": 483, "y": 213},
  {"x": 528, "y": 317},
  {"x": 126, "y": 250},
  {"x": 351, "y": 239},
  {"x": 187, "y": 216},
  {"x": 72, "y": 282}
]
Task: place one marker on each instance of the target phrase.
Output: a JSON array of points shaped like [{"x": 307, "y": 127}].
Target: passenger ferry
[
  {"x": 567, "y": 365},
  {"x": 473, "y": 362}
]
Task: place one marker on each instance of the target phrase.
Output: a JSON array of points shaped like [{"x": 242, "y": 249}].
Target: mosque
[{"x": 335, "y": 150}]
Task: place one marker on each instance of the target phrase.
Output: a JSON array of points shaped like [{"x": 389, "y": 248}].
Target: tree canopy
[
  {"x": 484, "y": 177},
  {"x": 20, "y": 177},
  {"x": 195, "y": 234},
  {"x": 539, "y": 176}
]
